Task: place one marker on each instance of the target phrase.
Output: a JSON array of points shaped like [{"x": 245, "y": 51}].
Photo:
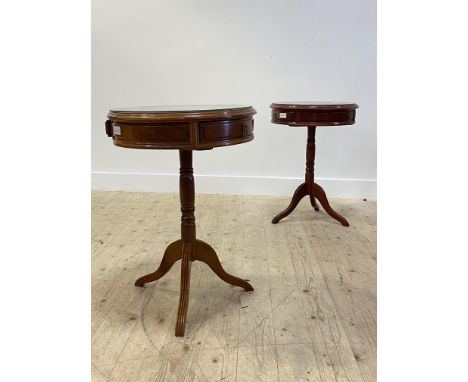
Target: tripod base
[
  {"x": 188, "y": 252},
  {"x": 314, "y": 192}
]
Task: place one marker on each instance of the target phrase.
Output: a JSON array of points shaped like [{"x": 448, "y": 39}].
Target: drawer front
[
  {"x": 225, "y": 130},
  {"x": 163, "y": 133},
  {"x": 329, "y": 117}
]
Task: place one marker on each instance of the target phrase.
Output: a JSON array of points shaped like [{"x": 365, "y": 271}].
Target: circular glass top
[
  {"x": 175, "y": 108},
  {"x": 312, "y": 103}
]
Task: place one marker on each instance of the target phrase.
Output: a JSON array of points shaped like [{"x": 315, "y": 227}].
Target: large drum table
[
  {"x": 312, "y": 114},
  {"x": 184, "y": 128}
]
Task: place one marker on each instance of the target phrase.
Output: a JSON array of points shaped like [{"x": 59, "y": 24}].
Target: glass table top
[
  {"x": 175, "y": 108},
  {"x": 318, "y": 103}
]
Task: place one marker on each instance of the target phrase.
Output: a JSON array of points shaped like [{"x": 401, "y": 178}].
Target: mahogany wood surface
[
  {"x": 185, "y": 128},
  {"x": 312, "y": 114},
  {"x": 181, "y": 127}
]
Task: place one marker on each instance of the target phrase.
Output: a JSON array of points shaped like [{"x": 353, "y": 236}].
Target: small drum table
[
  {"x": 184, "y": 128},
  {"x": 312, "y": 114}
]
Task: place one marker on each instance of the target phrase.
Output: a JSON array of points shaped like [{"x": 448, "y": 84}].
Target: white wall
[{"x": 211, "y": 51}]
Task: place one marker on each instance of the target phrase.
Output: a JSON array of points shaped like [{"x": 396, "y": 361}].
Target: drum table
[
  {"x": 312, "y": 114},
  {"x": 184, "y": 128}
]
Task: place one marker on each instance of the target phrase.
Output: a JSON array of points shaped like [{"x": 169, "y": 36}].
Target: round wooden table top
[
  {"x": 183, "y": 127},
  {"x": 313, "y": 113}
]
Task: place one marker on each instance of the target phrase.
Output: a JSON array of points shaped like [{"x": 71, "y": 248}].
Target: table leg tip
[{"x": 179, "y": 332}]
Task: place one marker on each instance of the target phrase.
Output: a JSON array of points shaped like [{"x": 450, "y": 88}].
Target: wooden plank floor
[{"x": 312, "y": 316}]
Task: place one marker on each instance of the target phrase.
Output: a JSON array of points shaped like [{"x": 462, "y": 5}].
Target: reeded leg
[
  {"x": 187, "y": 251},
  {"x": 172, "y": 254},
  {"x": 205, "y": 253},
  {"x": 319, "y": 193},
  {"x": 300, "y": 192},
  {"x": 313, "y": 202}
]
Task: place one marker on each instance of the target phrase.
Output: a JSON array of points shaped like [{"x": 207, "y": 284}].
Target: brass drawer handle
[{"x": 245, "y": 129}]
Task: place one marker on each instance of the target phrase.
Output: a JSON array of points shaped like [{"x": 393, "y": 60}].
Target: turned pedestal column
[{"x": 188, "y": 249}]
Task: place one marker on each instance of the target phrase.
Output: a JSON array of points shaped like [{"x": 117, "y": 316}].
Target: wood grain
[
  {"x": 313, "y": 114},
  {"x": 184, "y": 130},
  {"x": 312, "y": 278}
]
